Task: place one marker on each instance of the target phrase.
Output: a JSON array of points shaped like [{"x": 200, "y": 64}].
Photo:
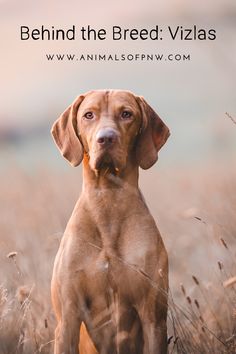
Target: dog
[{"x": 110, "y": 278}]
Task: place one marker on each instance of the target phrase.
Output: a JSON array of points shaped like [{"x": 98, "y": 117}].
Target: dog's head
[{"x": 111, "y": 128}]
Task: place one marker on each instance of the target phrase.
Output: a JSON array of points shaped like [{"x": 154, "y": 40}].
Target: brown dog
[{"x": 110, "y": 276}]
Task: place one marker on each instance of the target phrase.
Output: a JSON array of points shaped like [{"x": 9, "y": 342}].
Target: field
[{"x": 195, "y": 209}]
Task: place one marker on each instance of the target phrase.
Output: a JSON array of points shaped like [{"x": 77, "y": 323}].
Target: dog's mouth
[{"x": 106, "y": 164}]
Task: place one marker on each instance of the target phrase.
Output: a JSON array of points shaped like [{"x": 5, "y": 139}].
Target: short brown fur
[{"x": 110, "y": 278}]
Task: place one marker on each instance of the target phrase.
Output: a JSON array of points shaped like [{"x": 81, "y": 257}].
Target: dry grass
[{"x": 195, "y": 211}]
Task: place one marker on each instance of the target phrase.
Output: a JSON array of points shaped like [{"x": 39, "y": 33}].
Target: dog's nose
[{"x": 106, "y": 136}]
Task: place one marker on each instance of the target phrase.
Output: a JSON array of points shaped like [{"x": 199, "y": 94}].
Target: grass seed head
[
  {"x": 183, "y": 289},
  {"x": 195, "y": 279},
  {"x": 220, "y": 265},
  {"x": 224, "y": 243},
  {"x": 188, "y": 298},
  {"x": 12, "y": 255},
  {"x": 22, "y": 293},
  {"x": 229, "y": 282}
]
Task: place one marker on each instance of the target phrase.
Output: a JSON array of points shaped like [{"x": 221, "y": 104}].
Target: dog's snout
[{"x": 106, "y": 137}]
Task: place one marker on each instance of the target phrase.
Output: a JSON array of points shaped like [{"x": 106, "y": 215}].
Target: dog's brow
[
  {"x": 90, "y": 108},
  {"x": 126, "y": 106}
]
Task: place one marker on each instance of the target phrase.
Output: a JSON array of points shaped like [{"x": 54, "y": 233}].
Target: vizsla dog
[{"x": 110, "y": 278}]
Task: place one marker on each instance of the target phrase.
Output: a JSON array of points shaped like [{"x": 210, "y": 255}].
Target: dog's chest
[
  {"x": 119, "y": 264},
  {"x": 117, "y": 239}
]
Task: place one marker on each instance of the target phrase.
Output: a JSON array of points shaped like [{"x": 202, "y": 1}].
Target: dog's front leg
[
  {"x": 153, "y": 316},
  {"x": 155, "y": 338},
  {"x": 67, "y": 335}
]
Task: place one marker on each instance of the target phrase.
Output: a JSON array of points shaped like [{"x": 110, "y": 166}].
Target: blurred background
[
  {"x": 191, "y": 191},
  {"x": 191, "y": 96}
]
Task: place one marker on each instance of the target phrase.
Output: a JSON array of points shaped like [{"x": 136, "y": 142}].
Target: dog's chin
[{"x": 106, "y": 164}]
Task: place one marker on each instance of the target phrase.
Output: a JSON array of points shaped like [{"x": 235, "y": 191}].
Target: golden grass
[{"x": 195, "y": 210}]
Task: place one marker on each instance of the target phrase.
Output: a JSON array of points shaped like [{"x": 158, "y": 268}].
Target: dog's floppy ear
[
  {"x": 64, "y": 132},
  {"x": 152, "y": 137}
]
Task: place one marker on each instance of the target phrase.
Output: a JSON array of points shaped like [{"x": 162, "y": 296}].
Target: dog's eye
[
  {"x": 126, "y": 114},
  {"x": 89, "y": 115}
]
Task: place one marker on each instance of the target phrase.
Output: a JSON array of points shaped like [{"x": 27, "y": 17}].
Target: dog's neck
[
  {"x": 105, "y": 179},
  {"x": 109, "y": 198}
]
